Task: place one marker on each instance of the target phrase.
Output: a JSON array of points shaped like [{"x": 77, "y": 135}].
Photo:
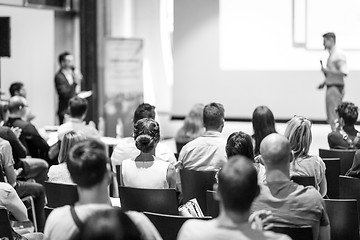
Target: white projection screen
[{"x": 249, "y": 53}]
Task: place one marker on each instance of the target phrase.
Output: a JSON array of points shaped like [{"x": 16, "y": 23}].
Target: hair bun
[{"x": 144, "y": 143}]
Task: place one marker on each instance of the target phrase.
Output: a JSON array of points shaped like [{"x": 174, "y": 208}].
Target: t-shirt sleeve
[
  {"x": 6, "y": 154},
  {"x": 341, "y": 62},
  {"x": 14, "y": 204}
]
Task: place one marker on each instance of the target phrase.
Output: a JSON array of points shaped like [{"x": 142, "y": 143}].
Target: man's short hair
[
  {"x": 349, "y": 112},
  {"x": 213, "y": 115},
  {"x": 238, "y": 184},
  {"x": 87, "y": 163},
  {"x": 239, "y": 143},
  {"x": 15, "y": 87},
  {"x": 16, "y": 103},
  {"x": 144, "y": 110},
  {"x": 330, "y": 35},
  {"x": 77, "y": 107},
  {"x": 62, "y": 57}
]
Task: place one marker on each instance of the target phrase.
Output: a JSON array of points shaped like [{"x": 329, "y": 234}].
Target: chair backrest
[
  {"x": 169, "y": 225},
  {"x": 5, "y": 227},
  {"x": 60, "y": 194},
  {"x": 332, "y": 176},
  {"x": 304, "y": 180},
  {"x": 346, "y": 157},
  {"x": 212, "y": 204},
  {"x": 296, "y": 233},
  {"x": 349, "y": 188},
  {"x": 343, "y": 217},
  {"x": 149, "y": 200},
  {"x": 195, "y": 184}
]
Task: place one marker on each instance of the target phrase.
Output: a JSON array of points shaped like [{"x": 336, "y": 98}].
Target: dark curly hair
[
  {"x": 146, "y": 134},
  {"x": 349, "y": 112},
  {"x": 239, "y": 143}
]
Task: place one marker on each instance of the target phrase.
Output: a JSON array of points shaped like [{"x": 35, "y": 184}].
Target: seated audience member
[
  {"x": 298, "y": 132},
  {"x": 239, "y": 143},
  {"x": 354, "y": 171},
  {"x": 78, "y": 109},
  {"x": 89, "y": 168},
  {"x": 207, "y": 152},
  {"x": 345, "y": 136},
  {"x": 23, "y": 189},
  {"x": 193, "y": 127},
  {"x": 146, "y": 170},
  {"x": 36, "y": 146},
  {"x": 18, "y": 89},
  {"x": 292, "y": 205},
  {"x": 11, "y": 201},
  {"x": 110, "y": 225},
  {"x": 60, "y": 172},
  {"x": 263, "y": 124},
  {"x": 236, "y": 189},
  {"x": 126, "y": 148},
  {"x": 34, "y": 168}
]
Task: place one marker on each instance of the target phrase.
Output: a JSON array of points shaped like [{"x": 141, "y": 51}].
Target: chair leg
[{"x": 31, "y": 199}]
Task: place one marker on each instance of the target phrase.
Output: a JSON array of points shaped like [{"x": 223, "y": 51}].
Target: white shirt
[
  {"x": 59, "y": 173},
  {"x": 126, "y": 149},
  {"x": 336, "y": 62},
  {"x": 77, "y": 126}
]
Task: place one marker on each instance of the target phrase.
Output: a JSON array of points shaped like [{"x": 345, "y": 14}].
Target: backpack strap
[{"x": 75, "y": 217}]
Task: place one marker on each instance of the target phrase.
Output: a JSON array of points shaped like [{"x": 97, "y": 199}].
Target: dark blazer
[{"x": 65, "y": 92}]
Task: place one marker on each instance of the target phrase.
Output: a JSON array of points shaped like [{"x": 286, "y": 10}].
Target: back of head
[
  {"x": 110, "y": 224},
  {"x": 239, "y": 143},
  {"x": 238, "y": 184},
  {"x": 16, "y": 104},
  {"x": 263, "y": 124},
  {"x": 4, "y": 110},
  {"x": 87, "y": 163},
  {"x": 144, "y": 110},
  {"x": 298, "y": 132},
  {"x": 193, "y": 123},
  {"x": 146, "y": 134},
  {"x": 69, "y": 140},
  {"x": 213, "y": 116},
  {"x": 348, "y": 112},
  {"x": 78, "y": 107},
  {"x": 15, "y": 88},
  {"x": 276, "y": 152}
]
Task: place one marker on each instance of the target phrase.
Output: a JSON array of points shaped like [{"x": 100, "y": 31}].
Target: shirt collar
[{"x": 211, "y": 134}]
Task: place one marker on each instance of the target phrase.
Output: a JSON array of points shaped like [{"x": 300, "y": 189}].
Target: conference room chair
[
  {"x": 212, "y": 204},
  {"x": 346, "y": 157},
  {"x": 195, "y": 184},
  {"x": 149, "y": 200},
  {"x": 169, "y": 225},
  {"x": 60, "y": 194},
  {"x": 5, "y": 227},
  {"x": 349, "y": 188},
  {"x": 343, "y": 217},
  {"x": 296, "y": 233},
  {"x": 304, "y": 180},
  {"x": 332, "y": 174}
]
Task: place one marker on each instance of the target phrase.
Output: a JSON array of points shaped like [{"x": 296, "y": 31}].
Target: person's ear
[{"x": 216, "y": 193}]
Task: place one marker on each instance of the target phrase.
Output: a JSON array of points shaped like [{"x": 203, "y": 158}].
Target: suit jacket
[{"x": 65, "y": 91}]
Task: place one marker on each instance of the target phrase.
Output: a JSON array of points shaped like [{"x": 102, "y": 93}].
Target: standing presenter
[{"x": 335, "y": 71}]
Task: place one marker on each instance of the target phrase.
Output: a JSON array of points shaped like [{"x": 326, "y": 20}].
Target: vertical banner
[{"x": 123, "y": 84}]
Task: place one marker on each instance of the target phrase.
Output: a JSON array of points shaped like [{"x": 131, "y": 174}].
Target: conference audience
[
  {"x": 78, "y": 108},
  {"x": 112, "y": 224},
  {"x": 89, "y": 168},
  {"x": 239, "y": 143},
  {"x": 207, "y": 152},
  {"x": 192, "y": 128},
  {"x": 13, "y": 204},
  {"x": 236, "y": 189},
  {"x": 60, "y": 173},
  {"x": 23, "y": 189},
  {"x": 263, "y": 123},
  {"x": 345, "y": 136},
  {"x": 126, "y": 148},
  {"x": 31, "y": 168},
  {"x": 146, "y": 170},
  {"x": 18, "y": 89},
  {"x": 292, "y": 205},
  {"x": 36, "y": 146},
  {"x": 298, "y": 132}
]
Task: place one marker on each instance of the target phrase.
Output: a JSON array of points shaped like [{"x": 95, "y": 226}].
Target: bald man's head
[
  {"x": 275, "y": 150},
  {"x": 17, "y": 104}
]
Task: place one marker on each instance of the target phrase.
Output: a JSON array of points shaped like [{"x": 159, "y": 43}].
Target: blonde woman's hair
[
  {"x": 193, "y": 125},
  {"x": 298, "y": 132},
  {"x": 69, "y": 140}
]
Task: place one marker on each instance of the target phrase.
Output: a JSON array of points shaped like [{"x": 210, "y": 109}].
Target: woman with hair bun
[{"x": 147, "y": 171}]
